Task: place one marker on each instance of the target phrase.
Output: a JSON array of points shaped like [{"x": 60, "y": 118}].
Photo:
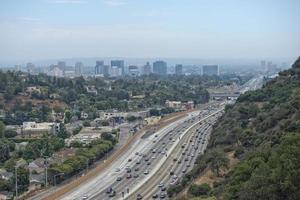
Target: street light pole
[
  {"x": 16, "y": 173},
  {"x": 46, "y": 171}
]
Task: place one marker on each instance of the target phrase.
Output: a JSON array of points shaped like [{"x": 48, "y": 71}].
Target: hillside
[{"x": 262, "y": 130}]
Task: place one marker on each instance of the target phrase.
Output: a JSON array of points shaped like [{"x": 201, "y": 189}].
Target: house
[
  {"x": 33, "y": 89},
  {"x": 36, "y": 181},
  {"x": 38, "y": 165}
]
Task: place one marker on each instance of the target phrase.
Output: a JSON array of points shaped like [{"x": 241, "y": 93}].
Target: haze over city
[
  {"x": 34, "y": 30},
  {"x": 149, "y": 99}
]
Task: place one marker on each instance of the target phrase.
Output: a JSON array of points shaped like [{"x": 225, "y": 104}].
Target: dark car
[
  {"x": 119, "y": 178},
  {"x": 139, "y": 196}
]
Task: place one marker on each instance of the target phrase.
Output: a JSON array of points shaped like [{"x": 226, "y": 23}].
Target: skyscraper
[
  {"x": 210, "y": 70},
  {"x": 119, "y": 64},
  {"x": 178, "y": 70},
  {"x": 133, "y": 70},
  {"x": 78, "y": 67},
  {"x": 146, "y": 69},
  {"x": 99, "y": 67},
  {"x": 160, "y": 67},
  {"x": 30, "y": 68}
]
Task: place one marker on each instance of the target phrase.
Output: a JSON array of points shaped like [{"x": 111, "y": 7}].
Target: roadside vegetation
[{"x": 263, "y": 131}]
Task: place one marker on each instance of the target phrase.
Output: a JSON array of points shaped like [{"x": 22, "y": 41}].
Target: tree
[
  {"x": 2, "y": 129},
  {"x": 199, "y": 190},
  {"x": 218, "y": 160}
]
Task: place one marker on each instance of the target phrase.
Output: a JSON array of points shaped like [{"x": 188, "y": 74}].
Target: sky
[{"x": 47, "y": 29}]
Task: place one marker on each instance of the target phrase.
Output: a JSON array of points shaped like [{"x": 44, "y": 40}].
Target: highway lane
[
  {"x": 197, "y": 135},
  {"x": 103, "y": 180}
]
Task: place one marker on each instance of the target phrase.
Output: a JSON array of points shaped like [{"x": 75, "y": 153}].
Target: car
[
  {"x": 129, "y": 160},
  {"x": 183, "y": 171},
  {"x": 84, "y": 197},
  {"x": 203, "y": 142},
  {"x": 179, "y": 161},
  {"x": 163, "y": 143},
  {"x": 136, "y": 169},
  {"x": 161, "y": 184},
  {"x": 112, "y": 194},
  {"x": 155, "y": 196},
  {"x": 153, "y": 157},
  {"x": 135, "y": 176},
  {"x": 171, "y": 173},
  {"x": 156, "y": 135},
  {"x": 154, "y": 141},
  {"x": 117, "y": 170},
  {"x": 188, "y": 165},
  {"x": 148, "y": 163},
  {"x": 128, "y": 176},
  {"x": 162, "y": 195},
  {"x": 174, "y": 159},
  {"x": 146, "y": 159},
  {"x": 163, "y": 189},
  {"x": 119, "y": 178},
  {"x": 192, "y": 155},
  {"x": 109, "y": 190},
  {"x": 136, "y": 153},
  {"x": 183, "y": 153},
  {"x": 186, "y": 159},
  {"x": 146, "y": 172},
  {"x": 139, "y": 197},
  {"x": 153, "y": 151},
  {"x": 128, "y": 170},
  {"x": 138, "y": 162}
]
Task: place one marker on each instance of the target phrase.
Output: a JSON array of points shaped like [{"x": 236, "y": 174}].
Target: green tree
[{"x": 218, "y": 160}]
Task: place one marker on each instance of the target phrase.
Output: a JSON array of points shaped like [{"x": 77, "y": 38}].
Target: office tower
[
  {"x": 133, "y": 70},
  {"x": 30, "y": 68},
  {"x": 61, "y": 65},
  {"x": 115, "y": 71},
  {"x": 17, "y": 67},
  {"x": 78, "y": 67},
  {"x": 178, "y": 70},
  {"x": 146, "y": 69},
  {"x": 119, "y": 64},
  {"x": 99, "y": 67},
  {"x": 160, "y": 67},
  {"x": 210, "y": 70},
  {"x": 106, "y": 70}
]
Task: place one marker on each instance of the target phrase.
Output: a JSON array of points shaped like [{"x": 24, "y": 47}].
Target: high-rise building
[
  {"x": 160, "y": 67},
  {"x": 146, "y": 69},
  {"x": 106, "y": 70},
  {"x": 119, "y": 64},
  {"x": 178, "y": 70},
  {"x": 133, "y": 70},
  {"x": 61, "y": 65},
  {"x": 78, "y": 67},
  {"x": 30, "y": 68},
  {"x": 210, "y": 70},
  {"x": 115, "y": 71},
  {"x": 99, "y": 67}
]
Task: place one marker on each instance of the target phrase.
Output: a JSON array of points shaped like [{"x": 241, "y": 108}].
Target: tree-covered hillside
[{"x": 263, "y": 131}]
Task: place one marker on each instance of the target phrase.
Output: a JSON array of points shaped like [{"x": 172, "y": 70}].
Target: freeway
[{"x": 141, "y": 162}]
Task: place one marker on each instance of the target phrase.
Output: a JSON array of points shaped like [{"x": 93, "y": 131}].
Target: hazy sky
[{"x": 43, "y": 29}]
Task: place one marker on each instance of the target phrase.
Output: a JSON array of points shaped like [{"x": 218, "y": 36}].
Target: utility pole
[
  {"x": 16, "y": 173},
  {"x": 46, "y": 171},
  {"x": 87, "y": 165}
]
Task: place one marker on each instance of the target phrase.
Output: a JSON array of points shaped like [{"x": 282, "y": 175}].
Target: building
[
  {"x": 99, "y": 67},
  {"x": 119, "y": 64},
  {"x": 133, "y": 70},
  {"x": 61, "y": 65},
  {"x": 30, "y": 68},
  {"x": 56, "y": 71},
  {"x": 115, "y": 71},
  {"x": 78, "y": 67},
  {"x": 146, "y": 69},
  {"x": 178, "y": 70},
  {"x": 160, "y": 67},
  {"x": 37, "y": 129},
  {"x": 210, "y": 70},
  {"x": 174, "y": 104},
  {"x": 106, "y": 70}
]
